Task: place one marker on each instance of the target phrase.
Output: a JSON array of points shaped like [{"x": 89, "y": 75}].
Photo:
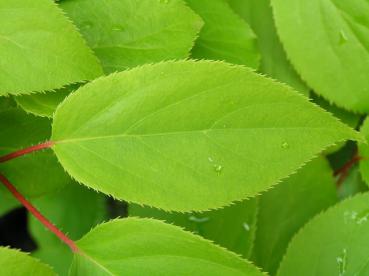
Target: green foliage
[
  {"x": 333, "y": 243},
  {"x": 238, "y": 221},
  {"x": 15, "y": 263},
  {"x": 211, "y": 127},
  {"x": 127, "y": 33},
  {"x": 286, "y": 208},
  {"x": 168, "y": 108},
  {"x": 39, "y": 54},
  {"x": 149, "y": 247},
  {"x": 224, "y": 36},
  {"x": 332, "y": 35},
  {"x": 35, "y": 174}
]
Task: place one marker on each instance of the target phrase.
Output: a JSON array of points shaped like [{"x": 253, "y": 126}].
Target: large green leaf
[
  {"x": 149, "y": 247},
  {"x": 16, "y": 263},
  {"x": 126, "y": 33},
  {"x": 258, "y": 13},
  {"x": 225, "y": 36},
  {"x": 364, "y": 152},
  {"x": 333, "y": 243},
  {"x": 75, "y": 210},
  {"x": 45, "y": 104},
  {"x": 333, "y": 35},
  {"x": 40, "y": 49},
  {"x": 189, "y": 135},
  {"x": 232, "y": 227},
  {"x": 286, "y": 208},
  {"x": 33, "y": 174}
]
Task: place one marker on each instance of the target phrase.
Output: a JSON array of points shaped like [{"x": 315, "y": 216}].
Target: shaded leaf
[
  {"x": 40, "y": 49},
  {"x": 364, "y": 152},
  {"x": 149, "y": 247}
]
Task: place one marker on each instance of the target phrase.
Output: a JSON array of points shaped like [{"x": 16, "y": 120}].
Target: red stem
[
  {"x": 25, "y": 151},
  {"x": 38, "y": 215},
  {"x": 343, "y": 172}
]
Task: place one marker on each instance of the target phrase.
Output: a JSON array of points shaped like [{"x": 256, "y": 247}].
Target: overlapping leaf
[
  {"x": 333, "y": 243},
  {"x": 232, "y": 227},
  {"x": 225, "y": 36},
  {"x": 149, "y": 247},
  {"x": 40, "y": 49},
  {"x": 364, "y": 152},
  {"x": 328, "y": 43},
  {"x": 16, "y": 263},
  {"x": 179, "y": 135}
]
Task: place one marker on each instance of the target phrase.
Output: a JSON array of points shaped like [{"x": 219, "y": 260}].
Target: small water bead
[
  {"x": 246, "y": 226},
  {"x": 198, "y": 219},
  {"x": 356, "y": 217},
  {"x": 342, "y": 262},
  {"x": 285, "y": 145},
  {"x": 118, "y": 28},
  {"x": 218, "y": 168},
  {"x": 343, "y": 37}
]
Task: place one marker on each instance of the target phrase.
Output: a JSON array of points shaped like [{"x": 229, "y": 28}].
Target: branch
[
  {"x": 25, "y": 151},
  {"x": 343, "y": 172},
  {"x": 38, "y": 215}
]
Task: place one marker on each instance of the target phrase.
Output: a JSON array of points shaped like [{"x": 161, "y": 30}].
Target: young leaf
[
  {"x": 232, "y": 227},
  {"x": 45, "y": 104},
  {"x": 40, "y": 49},
  {"x": 34, "y": 174},
  {"x": 149, "y": 247},
  {"x": 16, "y": 263},
  {"x": 225, "y": 36},
  {"x": 286, "y": 208},
  {"x": 364, "y": 152},
  {"x": 258, "y": 13},
  {"x": 75, "y": 210},
  {"x": 179, "y": 135},
  {"x": 333, "y": 243},
  {"x": 328, "y": 42},
  {"x": 127, "y": 33}
]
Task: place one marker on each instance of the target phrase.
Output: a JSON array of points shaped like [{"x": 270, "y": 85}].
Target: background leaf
[
  {"x": 333, "y": 35},
  {"x": 274, "y": 63},
  {"x": 74, "y": 210},
  {"x": 287, "y": 207},
  {"x": 225, "y": 36},
  {"x": 34, "y": 174},
  {"x": 333, "y": 243},
  {"x": 179, "y": 135},
  {"x": 232, "y": 227},
  {"x": 126, "y": 33},
  {"x": 148, "y": 247},
  {"x": 40, "y": 49},
  {"x": 16, "y": 263},
  {"x": 364, "y": 152}
]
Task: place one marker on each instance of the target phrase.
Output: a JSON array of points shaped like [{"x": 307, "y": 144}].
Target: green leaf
[
  {"x": 328, "y": 43},
  {"x": 225, "y": 36},
  {"x": 40, "y": 49},
  {"x": 75, "y": 210},
  {"x": 286, "y": 208},
  {"x": 179, "y": 135},
  {"x": 33, "y": 174},
  {"x": 258, "y": 13},
  {"x": 45, "y": 104},
  {"x": 16, "y": 263},
  {"x": 232, "y": 227},
  {"x": 333, "y": 243},
  {"x": 149, "y": 247},
  {"x": 6, "y": 103},
  {"x": 127, "y": 33},
  {"x": 364, "y": 152},
  {"x": 352, "y": 184}
]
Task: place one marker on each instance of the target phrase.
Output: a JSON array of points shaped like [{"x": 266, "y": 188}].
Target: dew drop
[
  {"x": 343, "y": 37},
  {"x": 342, "y": 262},
  {"x": 118, "y": 28},
  {"x": 211, "y": 160},
  {"x": 218, "y": 168},
  {"x": 246, "y": 226},
  {"x": 198, "y": 219},
  {"x": 285, "y": 145}
]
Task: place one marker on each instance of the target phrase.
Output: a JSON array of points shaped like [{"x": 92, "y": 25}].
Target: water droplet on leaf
[
  {"x": 218, "y": 168},
  {"x": 285, "y": 145},
  {"x": 342, "y": 262},
  {"x": 343, "y": 37},
  {"x": 118, "y": 28},
  {"x": 246, "y": 226},
  {"x": 198, "y": 219}
]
